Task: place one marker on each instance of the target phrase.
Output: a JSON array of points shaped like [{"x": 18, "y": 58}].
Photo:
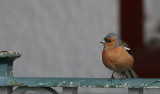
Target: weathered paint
[
  {"x": 6, "y": 62},
  {"x": 6, "y": 78},
  {"x": 10, "y": 54},
  {"x": 79, "y": 82}
]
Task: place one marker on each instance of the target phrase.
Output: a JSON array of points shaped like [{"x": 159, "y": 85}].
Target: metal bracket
[{"x": 40, "y": 90}]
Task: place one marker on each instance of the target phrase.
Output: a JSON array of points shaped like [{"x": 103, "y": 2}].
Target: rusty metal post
[
  {"x": 6, "y": 62},
  {"x": 6, "y": 67}
]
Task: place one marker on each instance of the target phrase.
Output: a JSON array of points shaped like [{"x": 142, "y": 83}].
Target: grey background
[{"x": 59, "y": 38}]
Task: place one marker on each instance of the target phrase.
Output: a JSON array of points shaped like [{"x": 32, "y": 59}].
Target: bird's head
[{"x": 111, "y": 37}]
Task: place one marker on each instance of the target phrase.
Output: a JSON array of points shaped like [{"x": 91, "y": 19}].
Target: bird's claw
[{"x": 112, "y": 77}]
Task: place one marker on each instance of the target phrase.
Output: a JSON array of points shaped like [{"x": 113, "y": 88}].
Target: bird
[{"x": 117, "y": 56}]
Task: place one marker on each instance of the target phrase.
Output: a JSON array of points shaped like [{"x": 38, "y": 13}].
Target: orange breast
[{"x": 117, "y": 59}]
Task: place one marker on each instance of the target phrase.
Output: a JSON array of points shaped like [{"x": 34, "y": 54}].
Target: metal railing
[{"x": 43, "y": 85}]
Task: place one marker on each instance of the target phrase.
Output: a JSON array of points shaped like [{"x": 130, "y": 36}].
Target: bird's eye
[{"x": 108, "y": 41}]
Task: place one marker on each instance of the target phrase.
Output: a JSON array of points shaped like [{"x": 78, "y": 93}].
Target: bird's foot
[{"x": 112, "y": 77}]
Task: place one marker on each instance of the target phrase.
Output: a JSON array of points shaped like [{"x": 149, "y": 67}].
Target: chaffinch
[{"x": 117, "y": 56}]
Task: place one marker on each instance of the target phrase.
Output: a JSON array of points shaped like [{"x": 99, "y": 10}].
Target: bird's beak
[{"x": 103, "y": 42}]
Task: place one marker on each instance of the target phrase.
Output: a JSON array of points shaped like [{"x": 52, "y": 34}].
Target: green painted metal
[
  {"x": 7, "y": 79},
  {"x": 79, "y": 82},
  {"x": 6, "y": 62}
]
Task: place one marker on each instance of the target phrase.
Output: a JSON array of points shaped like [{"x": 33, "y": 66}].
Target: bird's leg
[{"x": 112, "y": 77}]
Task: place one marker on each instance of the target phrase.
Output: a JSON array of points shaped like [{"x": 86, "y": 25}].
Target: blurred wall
[
  {"x": 152, "y": 22},
  {"x": 58, "y": 38},
  {"x": 150, "y": 52}
]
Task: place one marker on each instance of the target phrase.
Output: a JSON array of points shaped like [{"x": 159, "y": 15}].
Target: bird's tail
[{"x": 131, "y": 73}]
